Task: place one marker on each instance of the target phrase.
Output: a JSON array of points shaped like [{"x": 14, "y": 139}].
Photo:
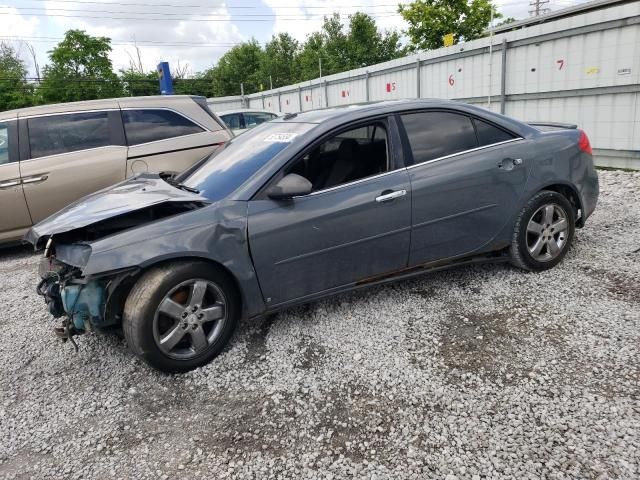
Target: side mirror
[{"x": 291, "y": 185}]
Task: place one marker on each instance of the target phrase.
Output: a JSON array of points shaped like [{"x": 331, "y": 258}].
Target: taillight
[{"x": 584, "y": 144}]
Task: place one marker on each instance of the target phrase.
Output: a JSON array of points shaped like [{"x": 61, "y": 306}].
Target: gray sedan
[{"x": 306, "y": 206}]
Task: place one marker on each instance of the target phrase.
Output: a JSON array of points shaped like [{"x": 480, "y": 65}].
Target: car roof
[
  {"x": 147, "y": 101},
  {"x": 363, "y": 109},
  {"x": 244, "y": 110}
]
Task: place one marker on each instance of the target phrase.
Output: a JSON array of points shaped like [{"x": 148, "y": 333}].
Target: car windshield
[{"x": 240, "y": 158}]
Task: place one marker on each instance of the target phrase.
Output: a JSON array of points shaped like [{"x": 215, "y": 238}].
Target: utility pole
[{"x": 538, "y": 7}]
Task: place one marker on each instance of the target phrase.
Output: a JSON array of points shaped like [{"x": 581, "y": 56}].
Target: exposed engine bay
[{"x": 83, "y": 304}]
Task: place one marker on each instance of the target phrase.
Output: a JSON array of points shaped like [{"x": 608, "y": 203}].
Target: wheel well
[
  {"x": 574, "y": 199},
  {"x": 115, "y": 302}
]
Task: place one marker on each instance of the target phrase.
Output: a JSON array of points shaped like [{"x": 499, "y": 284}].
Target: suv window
[
  {"x": 55, "y": 134},
  {"x": 148, "y": 125},
  {"x": 4, "y": 143},
  {"x": 488, "y": 134},
  {"x": 437, "y": 134},
  {"x": 346, "y": 157}
]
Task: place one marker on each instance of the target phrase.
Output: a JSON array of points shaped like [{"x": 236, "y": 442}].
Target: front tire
[
  {"x": 180, "y": 316},
  {"x": 543, "y": 232}
]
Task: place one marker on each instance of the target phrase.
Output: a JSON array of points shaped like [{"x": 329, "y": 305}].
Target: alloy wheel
[
  {"x": 189, "y": 319},
  {"x": 547, "y": 232}
]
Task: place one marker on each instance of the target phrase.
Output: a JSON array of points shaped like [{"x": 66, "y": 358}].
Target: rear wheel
[
  {"x": 543, "y": 232},
  {"x": 180, "y": 316}
]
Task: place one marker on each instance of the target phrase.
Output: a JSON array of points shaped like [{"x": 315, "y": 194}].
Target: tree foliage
[
  {"x": 80, "y": 69},
  {"x": 279, "y": 63},
  {"x": 430, "y": 20},
  {"x": 15, "y": 92}
]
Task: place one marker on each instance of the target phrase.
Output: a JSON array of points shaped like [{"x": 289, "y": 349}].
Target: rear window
[
  {"x": 488, "y": 134},
  {"x": 148, "y": 125},
  {"x": 55, "y": 134},
  {"x": 438, "y": 134},
  {"x": 251, "y": 119}
]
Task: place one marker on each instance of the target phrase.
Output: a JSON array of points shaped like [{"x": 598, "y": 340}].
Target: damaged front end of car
[
  {"x": 93, "y": 300},
  {"x": 82, "y": 303}
]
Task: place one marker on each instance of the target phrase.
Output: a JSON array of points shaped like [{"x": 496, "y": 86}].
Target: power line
[
  {"x": 228, "y": 7},
  {"x": 140, "y": 43},
  {"x": 190, "y": 19},
  {"x": 538, "y": 7}
]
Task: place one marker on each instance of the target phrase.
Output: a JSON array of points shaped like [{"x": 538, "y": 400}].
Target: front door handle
[
  {"x": 387, "y": 197},
  {"x": 10, "y": 183},
  {"x": 35, "y": 179}
]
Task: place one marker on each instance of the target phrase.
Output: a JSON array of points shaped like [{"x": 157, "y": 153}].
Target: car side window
[
  {"x": 252, "y": 119},
  {"x": 4, "y": 143},
  {"x": 488, "y": 134},
  {"x": 232, "y": 120},
  {"x": 149, "y": 125},
  {"x": 351, "y": 155},
  {"x": 55, "y": 134},
  {"x": 437, "y": 134}
]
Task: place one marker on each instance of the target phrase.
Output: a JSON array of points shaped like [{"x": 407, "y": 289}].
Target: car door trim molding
[
  {"x": 174, "y": 151},
  {"x": 27, "y": 160},
  {"x": 68, "y": 112},
  {"x": 455, "y": 215},
  {"x": 349, "y": 184},
  {"x": 463, "y": 152},
  {"x": 342, "y": 245}
]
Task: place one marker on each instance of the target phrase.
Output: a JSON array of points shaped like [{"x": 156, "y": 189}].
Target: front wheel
[
  {"x": 543, "y": 232},
  {"x": 180, "y": 316}
]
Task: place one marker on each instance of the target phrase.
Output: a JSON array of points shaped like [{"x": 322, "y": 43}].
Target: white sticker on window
[{"x": 281, "y": 137}]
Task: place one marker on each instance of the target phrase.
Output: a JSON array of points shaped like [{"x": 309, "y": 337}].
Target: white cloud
[{"x": 165, "y": 38}]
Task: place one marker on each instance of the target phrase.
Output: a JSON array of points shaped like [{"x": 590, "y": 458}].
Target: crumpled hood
[{"x": 142, "y": 191}]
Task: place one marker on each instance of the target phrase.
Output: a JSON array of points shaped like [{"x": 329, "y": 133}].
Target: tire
[
  {"x": 537, "y": 243},
  {"x": 190, "y": 303}
]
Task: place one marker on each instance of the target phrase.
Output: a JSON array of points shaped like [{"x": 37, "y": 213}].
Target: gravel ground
[{"x": 479, "y": 372}]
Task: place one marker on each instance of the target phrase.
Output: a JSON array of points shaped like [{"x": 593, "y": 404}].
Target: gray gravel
[{"x": 480, "y": 372}]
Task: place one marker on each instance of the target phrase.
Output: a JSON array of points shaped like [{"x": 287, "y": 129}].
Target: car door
[
  {"x": 464, "y": 190},
  {"x": 352, "y": 227},
  {"x": 67, "y": 156},
  {"x": 14, "y": 215},
  {"x": 163, "y": 139}
]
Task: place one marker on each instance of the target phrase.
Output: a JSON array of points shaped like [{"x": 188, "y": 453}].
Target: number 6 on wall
[{"x": 451, "y": 80}]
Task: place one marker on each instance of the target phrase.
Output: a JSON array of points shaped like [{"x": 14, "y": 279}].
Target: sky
[{"x": 191, "y": 34}]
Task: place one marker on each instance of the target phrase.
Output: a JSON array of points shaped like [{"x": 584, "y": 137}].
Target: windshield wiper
[{"x": 170, "y": 179}]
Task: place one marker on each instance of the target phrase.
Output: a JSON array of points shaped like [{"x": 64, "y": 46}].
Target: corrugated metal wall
[{"x": 582, "y": 69}]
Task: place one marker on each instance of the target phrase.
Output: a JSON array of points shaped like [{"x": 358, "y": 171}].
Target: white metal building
[{"x": 577, "y": 65}]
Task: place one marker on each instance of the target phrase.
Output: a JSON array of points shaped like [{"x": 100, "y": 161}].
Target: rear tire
[
  {"x": 543, "y": 232},
  {"x": 180, "y": 316}
]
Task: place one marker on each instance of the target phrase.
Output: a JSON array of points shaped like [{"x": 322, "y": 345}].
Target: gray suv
[{"x": 53, "y": 155}]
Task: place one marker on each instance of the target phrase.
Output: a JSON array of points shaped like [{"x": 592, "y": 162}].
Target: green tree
[
  {"x": 15, "y": 92},
  {"x": 430, "y": 20},
  {"x": 80, "y": 69},
  {"x": 359, "y": 44},
  {"x": 136, "y": 83},
  {"x": 280, "y": 61},
  {"x": 241, "y": 64}
]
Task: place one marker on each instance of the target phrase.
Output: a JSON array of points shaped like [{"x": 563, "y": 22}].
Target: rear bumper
[{"x": 590, "y": 194}]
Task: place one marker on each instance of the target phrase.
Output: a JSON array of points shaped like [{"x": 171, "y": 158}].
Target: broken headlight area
[{"x": 82, "y": 303}]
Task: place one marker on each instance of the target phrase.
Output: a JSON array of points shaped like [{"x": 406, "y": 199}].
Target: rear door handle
[
  {"x": 10, "y": 183},
  {"x": 35, "y": 179},
  {"x": 386, "y": 197}
]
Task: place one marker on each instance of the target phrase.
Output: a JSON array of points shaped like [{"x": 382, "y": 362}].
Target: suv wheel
[
  {"x": 180, "y": 316},
  {"x": 543, "y": 232}
]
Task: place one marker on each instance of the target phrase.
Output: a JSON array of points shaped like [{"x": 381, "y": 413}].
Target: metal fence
[{"x": 582, "y": 69}]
